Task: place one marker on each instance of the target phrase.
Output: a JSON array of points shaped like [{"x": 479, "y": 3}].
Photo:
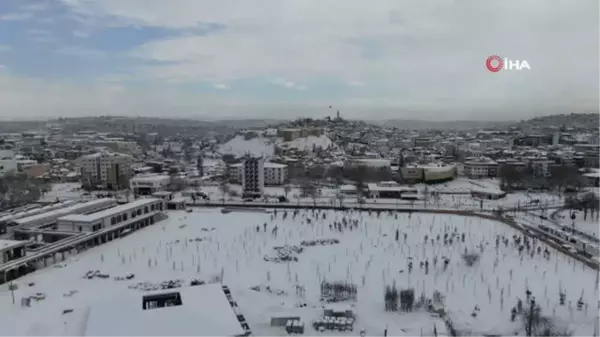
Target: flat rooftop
[
  {"x": 205, "y": 311},
  {"x": 10, "y": 244},
  {"x": 152, "y": 178},
  {"x": 65, "y": 211},
  {"x": 109, "y": 211}
]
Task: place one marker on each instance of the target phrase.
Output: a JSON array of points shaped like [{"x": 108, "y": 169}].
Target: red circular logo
[{"x": 494, "y": 63}]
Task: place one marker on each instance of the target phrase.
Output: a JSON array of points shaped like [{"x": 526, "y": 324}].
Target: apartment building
[
  {"x": 106, "y": 169},
  {"x": 539, "y": 165},
  {"x": 477, "y": 169},
  {"x": 273, "y": 173},
  {"x": 253, "y": 176}
]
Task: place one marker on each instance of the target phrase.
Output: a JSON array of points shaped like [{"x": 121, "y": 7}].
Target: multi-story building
[
  {"x": 422, "y": 142},
  {"x": 275, "y": 174},
  {"x": 110, "y": 170},
  {"x": 253, "y": 176},
  {"x": 590, "y": 154},
  {"x": 8, "y": 162},
  {"x": 479, "y": 168},
  {"x": 539, "y": 165},
  {"x": 428, "y": 173},
  {"x": 533, "y": 140},
  {"x": 147, "y": 184}
]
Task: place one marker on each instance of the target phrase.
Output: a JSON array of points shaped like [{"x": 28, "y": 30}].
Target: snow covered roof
[
  {"x": 10, "y": 244},
  {"x": 390, "y": 188},
  {"x": 205, "y": 311},
  {"x": 150, "y": 177},
  {"x": 57, "y": 213},
  {"x": 307, "y": 143},
  {"x": 239, "y": 146},
  {"x": 274, "y": 165},
  {"x": 93, "y": 217}
]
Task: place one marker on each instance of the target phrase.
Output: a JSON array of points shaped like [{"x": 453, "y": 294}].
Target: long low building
[
  {"x": 35, "y": 210},
  {"x": 50, "y": 218},
  {"x": 110, "y": 216},
  {"x": 149, "y": 183},
  {"x": 203, "y": 310},
  {"x": 389, "y": 189}
]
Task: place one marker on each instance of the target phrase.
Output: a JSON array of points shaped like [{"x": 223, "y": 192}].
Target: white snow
[
  {"x": 368, "y": 256},
  {"x": 309, "y": 143},
  {"x": 63, "y": 191},
  {"x": 239, "y": 147},
  {"x": 589, "y": 225},
  {"x": 205, "y": 308}
]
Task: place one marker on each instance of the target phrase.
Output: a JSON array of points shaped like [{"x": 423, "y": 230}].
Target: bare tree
[
  {"x": 316, "y": 172},
  {"x": 359, "y": 176},
  {"x": 536, "y": 324},
  {"x": 286, "y": 190},
  {"x": 314, "y": 194},
  {"x": 309, "y": 189},
  {"x": 510, "y": 177},
  {"x": 340, "y": 197},
  {"x": 224, "y": 188}
]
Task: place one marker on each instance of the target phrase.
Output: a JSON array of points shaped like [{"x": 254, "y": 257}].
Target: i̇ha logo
[{"x": 496, "y": 63}]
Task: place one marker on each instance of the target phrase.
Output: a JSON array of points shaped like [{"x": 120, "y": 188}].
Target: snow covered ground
[
  {"x": 238, "y": 146},
  {"x": 589, "y": 225},
  {"x": 185, "y": 246},
  {"x": 63, "y": 191},
  {"x": 309, "y": 143}
]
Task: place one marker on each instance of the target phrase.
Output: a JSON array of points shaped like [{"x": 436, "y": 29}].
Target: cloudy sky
[{"x": 409, "y": 59}]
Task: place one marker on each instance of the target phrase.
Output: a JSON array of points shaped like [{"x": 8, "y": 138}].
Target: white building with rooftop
[{"x": 204, "y": 310}]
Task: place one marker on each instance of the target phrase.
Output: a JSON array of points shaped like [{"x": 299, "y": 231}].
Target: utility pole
[{"x": 12, "y": 291}]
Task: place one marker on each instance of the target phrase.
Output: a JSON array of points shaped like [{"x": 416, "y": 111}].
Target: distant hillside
[
  {"x": 585, "y": 121},
  {"x": 441, "y": 125}
]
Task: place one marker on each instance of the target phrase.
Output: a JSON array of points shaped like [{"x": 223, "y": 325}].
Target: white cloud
[
  {"x": 28, "y": 98},
  {"x": 16, "y": 16},
  {"x": 356, "y": 84},
  {"x": 221, "y": 86},
  {"x": 413, "y": 55},
  {"x": 289, "y": 84},
  {"x": 41, "y": 35},
  {"x": 34, "y": 7},
  {"x": 80, "y": 33},
  {"x": 82, "y": 52}
]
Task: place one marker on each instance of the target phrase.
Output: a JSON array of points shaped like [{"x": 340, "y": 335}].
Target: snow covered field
[{"x": 186, "y": 246}]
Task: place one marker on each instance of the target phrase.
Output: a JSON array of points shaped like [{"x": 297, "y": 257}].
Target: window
[
  {"x": 139, "y": 212},
  {"x": 80, "y": 228},
  {"x": 125, "y": 217},
  {"x": 113, "y": 220},
  {"x": 152, "y": 207},
  {"x": 146, "y": 210},
  {"x": 161, "y": 300},
  {"x": 118, "y": 218}
]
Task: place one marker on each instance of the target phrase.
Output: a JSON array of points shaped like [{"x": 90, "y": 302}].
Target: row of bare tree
[{"x": 560, "y": 178}]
